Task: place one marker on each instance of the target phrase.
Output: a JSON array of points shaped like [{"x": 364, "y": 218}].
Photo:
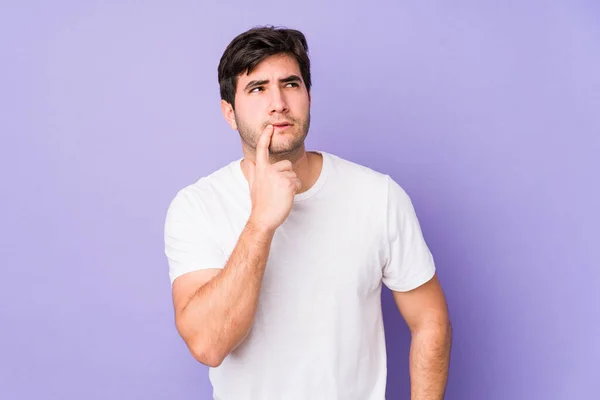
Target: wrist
[{"x": 259, "y": 228}]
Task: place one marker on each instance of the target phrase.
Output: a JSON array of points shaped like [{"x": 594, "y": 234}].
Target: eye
[
  {"x": 255, "y": 89},
  {"x": 293, "y": 84}
]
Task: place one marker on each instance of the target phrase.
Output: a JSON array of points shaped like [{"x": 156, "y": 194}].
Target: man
[{"x": 277, "y": 259}]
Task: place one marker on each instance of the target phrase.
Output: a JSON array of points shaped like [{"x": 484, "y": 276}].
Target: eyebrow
[{"x": 291, "y": 78}]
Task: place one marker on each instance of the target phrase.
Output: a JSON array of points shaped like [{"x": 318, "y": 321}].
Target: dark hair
[{"x": 249, "y": 48}]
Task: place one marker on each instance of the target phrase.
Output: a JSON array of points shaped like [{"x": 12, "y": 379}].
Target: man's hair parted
[{"x": 249, "y": 48}]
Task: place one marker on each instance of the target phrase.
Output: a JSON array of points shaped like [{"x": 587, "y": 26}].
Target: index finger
[{"x": 262, "y": 148}]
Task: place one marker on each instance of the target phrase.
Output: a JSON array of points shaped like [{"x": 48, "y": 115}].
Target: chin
[
  {"x": 284, "y": 148},
  {"x": 291, "y": 144},
  {"x": 281, "y": 150}
]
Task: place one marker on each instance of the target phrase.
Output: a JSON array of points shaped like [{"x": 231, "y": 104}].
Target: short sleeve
[
  {"x": 408, "y": 262},
  {"x": 190, "y": 243}
]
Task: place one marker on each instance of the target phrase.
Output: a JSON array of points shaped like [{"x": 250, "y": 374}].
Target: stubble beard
[{"x": 278, "y": 148}]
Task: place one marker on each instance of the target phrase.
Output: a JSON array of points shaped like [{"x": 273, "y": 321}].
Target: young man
[{"x": 277, "y": 259}]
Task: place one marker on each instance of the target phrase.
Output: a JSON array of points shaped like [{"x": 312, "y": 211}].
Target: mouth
[{"x": 281, "y": 125}]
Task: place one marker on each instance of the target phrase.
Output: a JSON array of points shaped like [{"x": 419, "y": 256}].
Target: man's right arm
[{"x": 214, "y": 309}]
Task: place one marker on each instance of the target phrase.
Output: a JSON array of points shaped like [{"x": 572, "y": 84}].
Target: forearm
[
  {"x": 220, "y": 313},
  {"x": 429, "y": 361}
]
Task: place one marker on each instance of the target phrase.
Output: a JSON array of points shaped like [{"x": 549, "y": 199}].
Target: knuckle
[{"x": 285, "y": 164}]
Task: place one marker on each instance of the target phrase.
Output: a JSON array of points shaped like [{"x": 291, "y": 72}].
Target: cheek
[
  {"x": 250, "y": 111},
  {"x": 302, "y": 102},
  {"x": 248, "y": 119}
]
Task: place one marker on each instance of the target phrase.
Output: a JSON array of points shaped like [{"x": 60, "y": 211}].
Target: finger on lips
[{"x": 262, "y": 150}]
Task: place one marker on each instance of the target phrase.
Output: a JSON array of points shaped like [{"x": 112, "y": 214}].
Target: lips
[{"x": 281, "y": 124}]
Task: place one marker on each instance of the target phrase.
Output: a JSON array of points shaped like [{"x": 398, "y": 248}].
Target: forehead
[{"x": 271, "y": 68}]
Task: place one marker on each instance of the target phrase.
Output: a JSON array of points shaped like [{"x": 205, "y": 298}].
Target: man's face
[{"x": 274, "y": 93}]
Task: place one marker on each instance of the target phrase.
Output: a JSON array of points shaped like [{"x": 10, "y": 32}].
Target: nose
[{"x": 278, "y": 102}]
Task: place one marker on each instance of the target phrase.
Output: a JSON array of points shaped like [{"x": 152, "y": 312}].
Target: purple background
[{"x": 487, "y": 113}]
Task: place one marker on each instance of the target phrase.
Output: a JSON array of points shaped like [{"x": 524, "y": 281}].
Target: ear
[{"x": 229, "y": 114}]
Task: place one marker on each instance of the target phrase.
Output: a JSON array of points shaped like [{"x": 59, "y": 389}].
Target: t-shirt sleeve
[
  {"x": 408, "y": 262},
  {"x": 190, "y": 243}
]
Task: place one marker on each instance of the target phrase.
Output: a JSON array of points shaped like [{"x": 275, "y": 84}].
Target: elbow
[
  {"x": 207, "y": 348},
  {"x": 436, "y": 327},
  {"x": 206, "y": 355},
  {"x": 200, "y": 347}
]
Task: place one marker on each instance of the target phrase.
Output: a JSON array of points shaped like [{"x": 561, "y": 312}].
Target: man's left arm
[{"x": 426, "y": 313}]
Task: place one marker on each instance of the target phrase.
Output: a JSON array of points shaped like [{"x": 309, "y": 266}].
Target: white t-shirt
[{"x": 318, "y": 331}]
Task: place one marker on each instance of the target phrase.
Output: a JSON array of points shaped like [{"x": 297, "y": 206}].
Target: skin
[
  {"x": 283, "y": 98},
  {"x": 214, "y": 309}
]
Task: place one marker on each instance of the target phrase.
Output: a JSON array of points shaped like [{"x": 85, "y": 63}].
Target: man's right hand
[{"x": 272, "y": 186}]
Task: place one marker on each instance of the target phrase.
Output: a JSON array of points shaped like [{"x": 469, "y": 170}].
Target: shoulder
[
  {"x": 361, "y": 177},
  {"x": 369, "y": 186},
  {"x": 201, "y": 194}
]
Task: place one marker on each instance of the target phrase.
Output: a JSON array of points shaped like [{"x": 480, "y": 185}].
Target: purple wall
[{"x": 488, "y": 115}]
